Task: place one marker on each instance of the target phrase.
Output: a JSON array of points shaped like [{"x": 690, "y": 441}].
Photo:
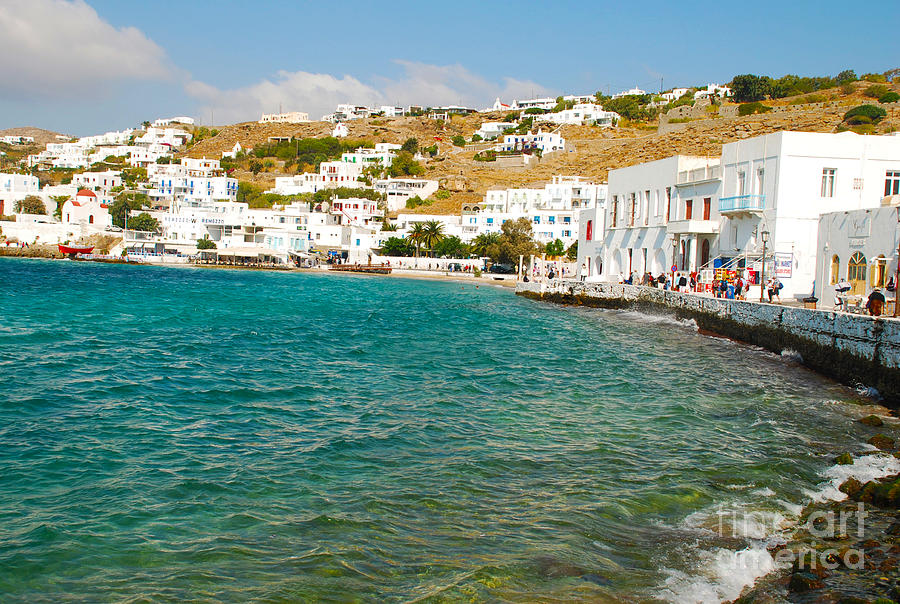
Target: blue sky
[{"x": 86, "y": 67}]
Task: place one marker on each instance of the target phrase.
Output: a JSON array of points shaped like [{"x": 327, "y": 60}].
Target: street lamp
[{"x": 762, "y": 279}]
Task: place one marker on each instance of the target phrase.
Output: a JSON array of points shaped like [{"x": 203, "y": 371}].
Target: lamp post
[{"x": 762, "y": 280}]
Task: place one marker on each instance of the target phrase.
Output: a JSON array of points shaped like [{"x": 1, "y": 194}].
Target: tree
[
  {"x": 411, "y": 146},
  {"x": 405, "y": 165},
  {"x": 433, "y": 234},
  {"x": 388, "y": 226},
  {"x": 60, "y": 201},
  {"x": 555, "y": 248},
  {"x": 451, "y": 247},
  {"x": 865, "y": 114},
  {"x": 458, "y": 140},
  {"x": 515, "y": 240},
  {"x": 206, "y": 244},
  {"x": 255, "y": 166},
  {"x": 31, "y": 205},
  {"x": 748, "y": 88},
  {"x": 416, "y": 236},
  {"x": 476, "y": 137},
  {"x": 143, "y": 222},
  {"x": 484, "y": 242},
  {"x": 846, "y": 76},
  {"x": 397, "y": 246},
  {"x": 125, "y": 203},
  {"x": 572, "y": 252}
]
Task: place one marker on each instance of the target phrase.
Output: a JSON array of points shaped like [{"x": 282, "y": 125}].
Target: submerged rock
[
  {"x": 885, "y": 443},
  {"x": 882, "y": 493},
  {"x": 871, "y": 420},
  {"x": 851, "y": 487},
  {"x": 804, "y": 581},
  {"x": 844, "y": 459}
]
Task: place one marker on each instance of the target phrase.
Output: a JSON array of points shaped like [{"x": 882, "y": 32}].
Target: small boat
[{"x": 71, "y": 250}]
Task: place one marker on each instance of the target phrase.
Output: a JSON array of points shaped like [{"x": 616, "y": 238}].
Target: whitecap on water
[
  {"x": 791, "y": 355},
  {"x": 659, "y": 319},
  {"x": 864, "y": 469},
  {"x": 722, "y": 575}
]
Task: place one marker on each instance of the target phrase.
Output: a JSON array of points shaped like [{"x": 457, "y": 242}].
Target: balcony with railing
[
  {"x": 742, "y": 203},
  {"x": 703, "y": 174}
]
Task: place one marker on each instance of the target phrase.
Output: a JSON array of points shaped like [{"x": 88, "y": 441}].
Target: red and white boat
[{"x": 72, "y": 249}]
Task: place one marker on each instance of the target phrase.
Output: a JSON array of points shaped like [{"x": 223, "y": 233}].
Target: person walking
[{"x": 770, "y": 288}]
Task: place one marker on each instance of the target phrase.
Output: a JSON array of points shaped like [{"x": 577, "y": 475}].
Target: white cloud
[
  {"x": 61, "y": 47},
  {"x": 318, "y": 93}
]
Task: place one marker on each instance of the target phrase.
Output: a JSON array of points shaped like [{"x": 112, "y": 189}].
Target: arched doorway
[
  {"x": 835, "y": 269},
  {"x": 590, "y": 230},
  {"x": 856, "y": 274},
  {"x": 879, "y": 272},
  {"x": 704, "y": 253}
]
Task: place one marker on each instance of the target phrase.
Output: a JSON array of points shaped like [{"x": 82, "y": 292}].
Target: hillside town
[{"x": 807, "y": 210}]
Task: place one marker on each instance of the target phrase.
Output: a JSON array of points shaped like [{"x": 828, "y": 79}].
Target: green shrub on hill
[
  {"x": 865, "y": 114},
  {"x": 876, "y": 90},
  {"x": 889, "y": 97},
  {"x": 458, "y": 140},
  {"x": 751, "y": 108}
]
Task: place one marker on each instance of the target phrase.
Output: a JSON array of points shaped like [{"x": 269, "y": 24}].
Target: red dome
[{"x": 85, "y": 193}]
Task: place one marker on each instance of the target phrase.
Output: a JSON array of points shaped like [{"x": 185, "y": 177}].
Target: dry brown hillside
[
  {"x": 41, "y": 137},
  {"x": 592, "y": 151}
]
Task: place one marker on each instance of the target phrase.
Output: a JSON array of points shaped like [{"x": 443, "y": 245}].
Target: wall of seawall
[{"x": 853, "y": 349}]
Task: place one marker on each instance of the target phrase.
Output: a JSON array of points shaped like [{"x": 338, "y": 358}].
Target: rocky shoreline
[{"x": 843, "y": 552}]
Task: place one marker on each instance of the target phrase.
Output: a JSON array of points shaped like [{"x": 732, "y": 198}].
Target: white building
[
  {"x": 195, "y": 182},
  {"x": 713, "y": 90},
  {"x": 580, "y": 114},
  {"x": 346, "y": 112},
  {"x": 632, "y": 92},
  {"x": 98, "y": 181},
  {"x": 659, "y": 214},
  {"x": 553, "y": 210},
  {"x": 86, "y": 210},
  {"x": 547, "y": 142},
  {"x": 292, "y": 117},
  {"x": 391, "y": 111},
  {"x": 16, "y": 187},
  {"x": 172, "y": 137},
  {"x": 17, "y": 140},
  {"x": 169, "y": 121},
  {"x": 340, "y": 130},
  {"x": 782, "y": 183},
  {"x": 859, "y": 246},
  {"x": 491, "y": 130},
  {"x": 674, "y": 94},
  {"x": 399, "y": 190}
]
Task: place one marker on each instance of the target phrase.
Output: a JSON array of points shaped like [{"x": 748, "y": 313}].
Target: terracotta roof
[{"x": 85, "y": 193}]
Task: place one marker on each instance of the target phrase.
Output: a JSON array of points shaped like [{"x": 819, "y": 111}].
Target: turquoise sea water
[{"x": 171, "y": 434}]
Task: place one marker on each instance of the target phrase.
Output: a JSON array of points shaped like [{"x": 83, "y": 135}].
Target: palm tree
[
  {"x": 434, "y": 233},
  {"x": 387, "y": 226},
  {"x": 417, "y": 235},
  {"x": 481, "y": 243}
]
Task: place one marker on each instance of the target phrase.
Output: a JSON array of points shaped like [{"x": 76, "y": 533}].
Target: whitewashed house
[
  {"x": 674, "y": 94},
  {"x": 98, "y": 181},
  {"x": 16, "y": 187},
  {"x": 782, "y": 183},
  {"x": 86, "y": 210},
  {"x": 399, "y": 190},
  {"x": 659, "y": 215},
  {"x": 860, "y": 247},
  {"x": 172, "y": 137},
  {"x": 631, "y": 92},
  {"x": 581, "y": 114},
  {"x": 713, "y": 90},
  {"x": 546, "y": 142},
  {"x": 491, "y": 130},
  {"x": 170, "y": 121},
  {"x": 291, "y": 117}
]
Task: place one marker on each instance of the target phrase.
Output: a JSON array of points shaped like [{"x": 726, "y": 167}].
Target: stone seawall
[{"x": 853, "y": 349}]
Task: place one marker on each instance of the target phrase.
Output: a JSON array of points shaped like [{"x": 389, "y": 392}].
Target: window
[
  {"x": 760, "y": 181},
  {"x": 615, "y": 211},
  {"x": 892, "y": 183},
  {"x": 668, "y": 202},
  {"x": 856, "y": 273},
  {"x": 878, "y": 272},
  {"x": 632, "y": 209},
  {"x": 537, "y": 220},
  {"x": 828, "y": 182},
  {"x": 707, "y": 206},
  {"x": 835, "y": 269},
  {"x": 742, "y": 183},
  {"x": 646, "y": 207},
  {"x": 688, "y": 209},
  {"x": 590, "y": 230}
]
